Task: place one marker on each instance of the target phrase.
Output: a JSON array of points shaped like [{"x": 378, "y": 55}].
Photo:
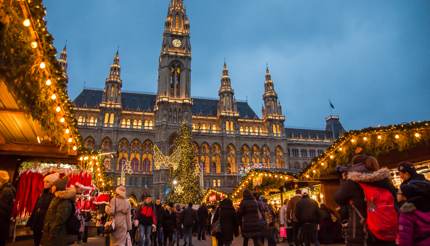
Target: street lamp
[{"x": 175, "y": 182}]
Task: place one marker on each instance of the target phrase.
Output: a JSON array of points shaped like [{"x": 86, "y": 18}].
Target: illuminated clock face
[{"x": 176, "y": 43}]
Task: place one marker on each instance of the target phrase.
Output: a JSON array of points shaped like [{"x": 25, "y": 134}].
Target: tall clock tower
[{"x": 173, "y": 103}]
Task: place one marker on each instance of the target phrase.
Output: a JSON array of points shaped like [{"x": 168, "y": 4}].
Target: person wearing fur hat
[
  {"x": 7, "y": 195},
  {"x": 37, "y": 218},
  {"x": 119, "y": 208},
  {"x": 59, "y": 211},
  {"x": 364, "y": 172},
  {"x": 407, "y": 172},
  {"x": 414, "y": 220}
]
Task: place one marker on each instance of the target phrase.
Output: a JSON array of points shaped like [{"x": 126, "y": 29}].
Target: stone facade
[{"x": 228, "y": 135}]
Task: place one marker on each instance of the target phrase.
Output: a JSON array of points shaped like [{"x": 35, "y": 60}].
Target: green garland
[
  {"x": 19, "y": 68},
  {"x": 373, "y": 141}
]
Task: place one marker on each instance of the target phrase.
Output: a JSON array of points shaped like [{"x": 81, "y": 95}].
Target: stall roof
[
  {"x": 280, "y": 174},
  {"x": 390, "y": 144}
]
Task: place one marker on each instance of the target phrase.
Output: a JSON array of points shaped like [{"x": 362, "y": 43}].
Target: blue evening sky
[{"x": 371, "y": 58}]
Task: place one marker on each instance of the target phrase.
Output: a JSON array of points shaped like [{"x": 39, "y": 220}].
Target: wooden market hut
[
  {"x": 213, "y": 196},
  {"x": 266, "y": 180},
  {"x": 389, "y": 144},
  {"x": 36, "y": 122}
]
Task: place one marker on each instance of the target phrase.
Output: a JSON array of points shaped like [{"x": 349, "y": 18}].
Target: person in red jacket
[{"x": 147, "y": 221}]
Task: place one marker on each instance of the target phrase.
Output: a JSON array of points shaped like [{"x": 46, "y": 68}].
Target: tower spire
[
  {"x": 272, "y": 106},
  {"x": 63, "y": 60},
  {"x": 113, "y": 84},
  {"x": 227, "y": 103}
]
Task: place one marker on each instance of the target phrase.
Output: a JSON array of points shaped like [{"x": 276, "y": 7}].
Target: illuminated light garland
[
  {"x": 391, "y": 137},
  {"x": 48, "y": 82}
]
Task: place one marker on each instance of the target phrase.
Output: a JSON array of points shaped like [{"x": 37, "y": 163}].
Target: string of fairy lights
[
  {"x": 59, "y": 98},
  {"x": 259, "y": 174},
  {"x": 372, "y": 141},
  {"x": 94, "y": 164}
]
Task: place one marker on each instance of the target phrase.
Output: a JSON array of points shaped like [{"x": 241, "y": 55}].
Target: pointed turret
[
  {"x": 177, "y": 19},
  {"x": 227, "y": 103},
  {"x": 272, "y": 110},
  {"x": 271, "y": 103},
  {"x": 113, "y": 84},
  {"x": 63, "y": 61}
]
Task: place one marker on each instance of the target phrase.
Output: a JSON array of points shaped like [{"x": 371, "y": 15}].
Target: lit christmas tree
[{"x": 185, "y": 185}]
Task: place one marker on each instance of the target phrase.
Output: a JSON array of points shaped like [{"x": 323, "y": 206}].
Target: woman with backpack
[
  {"x": 414, "y": 221},
  {"x": 59, "y": 212},
  {"x": 370, "y": 198},
  {"x": 120, "y": 211}
]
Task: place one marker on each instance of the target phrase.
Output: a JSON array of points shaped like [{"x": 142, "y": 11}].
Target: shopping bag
[
  {"x": 283, "y": 232},
  {"x": 214, "y": 241}
]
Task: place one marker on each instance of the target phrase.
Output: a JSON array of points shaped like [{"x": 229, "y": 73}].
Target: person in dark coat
[
  {"x": 251, "y": 221},
  {"x": 364, "y": 169},
  {"x": 414, "y": 220},
  {"x": 229, "y": 222},
  {"x": 407, "y": 172},
  {"x": 188, "y": 219},
  {"x": 59, "y": 211},
  {"x": 158, "y": 234},
  {"x": 7, "y": 195},
  {"x": 169, "y": 224},
  {"x": 330, "y": 227},
  {"x": 202, "y": 217},
  {"x": 292, "y": 223},
  {"x": 308, "y": 217},
  {"x": 37, "y": 218}
]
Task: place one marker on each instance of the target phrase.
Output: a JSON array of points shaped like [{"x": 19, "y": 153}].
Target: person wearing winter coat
[
  {"x": 330, "y": 227},
  {"x": 365, "y": 170},
  {"x": 414, "y": 220},
  {"x": 291, "y": 218},
  {"x": 169, "y": 224},
  {"x": 188, "y": 219},
  {"x": 308, "y": 217},
  {"x": 147, "y": 221},
  {"x": 269, "y": 218},
  {"x": 229, "y": 222},
  {"x": 202, "y": 218},
  {"x": 407, "y": 172},
  {"x": 283, "y": 213},
  {"x": 37, "y": 218},
  {"x": 59, "y": 211},
  {"x": 251, "y": 221},
  {"x": 178, "y": 234},
  {"x": 7, "y": 195},
  {"x": 119, "y": 208},
  {"x": 158, "y": 234}
]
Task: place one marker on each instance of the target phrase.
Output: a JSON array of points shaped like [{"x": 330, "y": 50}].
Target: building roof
[
  {"x": 307, "y": 133},
  {"x": 91, "y": 98}
]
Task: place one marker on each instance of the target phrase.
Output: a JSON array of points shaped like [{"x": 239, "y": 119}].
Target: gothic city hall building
[{"x": 228, "y": 136}]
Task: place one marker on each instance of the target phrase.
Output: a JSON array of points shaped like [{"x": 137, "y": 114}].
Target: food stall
[
  {"x": 389, "y": 144},
  {"x": 213, "y": 196}
]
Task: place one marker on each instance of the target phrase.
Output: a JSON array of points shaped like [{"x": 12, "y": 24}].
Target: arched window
[
  {"x": 204, "y": 158},
  {"x": 175, "y": 79},
  {"x": 106, "y": 145},
  {"x": 266, "y": 156},
  {"x": 147, "y": 156},
  {"x": 136, "y": 149},
  {"x": 279, "y": 161},
  {"x": 231, "y": 159},
  {"x": 123, "y": 149},
  {"x": 255, "y": 154},
  {"x": 216, "y": 158},
  {"x": 89, "y": 143},
  {"x": 111, "y": 119},
  {"x": 245, "y": 156}
]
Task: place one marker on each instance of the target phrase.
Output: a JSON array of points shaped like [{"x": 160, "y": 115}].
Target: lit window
[
  {"x": 219, "y": 182},
  {"x": 214, "y": 183}
]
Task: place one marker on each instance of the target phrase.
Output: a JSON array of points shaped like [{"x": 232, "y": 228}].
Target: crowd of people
[{"x": 371, "y": 211}]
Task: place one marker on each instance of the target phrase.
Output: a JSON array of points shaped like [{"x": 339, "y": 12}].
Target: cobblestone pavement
[{"x": 99, "y": 241}]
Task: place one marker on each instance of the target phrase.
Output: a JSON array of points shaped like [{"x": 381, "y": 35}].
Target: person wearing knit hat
[
  {"x": 37, "y": 218},
  {"x": 50, "y": 179},
  {"x": 59, "y": 211},
  {"x": 407, "y": 172},
  {"x": 7, "y": 194},
  {"x": 414, "y": 219}
]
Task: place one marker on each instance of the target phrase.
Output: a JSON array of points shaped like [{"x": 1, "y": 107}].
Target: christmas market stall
[
  {"x": 389, "y": 144},
  {"x": 38, "y": 133},
  {"x": 275, "y": 184},
  {"x": 213, "y": 196}
]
